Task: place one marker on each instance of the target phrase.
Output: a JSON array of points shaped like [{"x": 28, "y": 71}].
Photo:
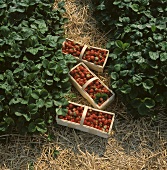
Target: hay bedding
[{"x": 134, "y": 145}]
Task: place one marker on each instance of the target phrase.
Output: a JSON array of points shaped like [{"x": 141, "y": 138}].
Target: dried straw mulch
[{"x": 134, "y": 144}]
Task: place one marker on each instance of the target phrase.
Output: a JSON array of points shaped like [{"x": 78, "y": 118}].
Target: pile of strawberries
[
  {"x": 74, "y": 113},
  {"x": 81, "y": 75},
  {"x": 98, "y": 120},
  {"x": 96, "y": 56},
  {"x": 70, "y": 47},
  {"x": 93, "y": 55},
  {"x": 98, "y": 92}
]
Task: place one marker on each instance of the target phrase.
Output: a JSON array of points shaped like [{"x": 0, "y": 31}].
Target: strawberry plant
[
  {"x": 99, "y": 120},
  {"x": 34, "y": 72},
  {"x": 96, "y": 56},
  {"x": 98, "y": 92},
  {"x": 81, "y": 74},
  {"x": 138, "y": 51},
  {"x": 70, "y": 47},
  {"x": 74, "y": 113}
]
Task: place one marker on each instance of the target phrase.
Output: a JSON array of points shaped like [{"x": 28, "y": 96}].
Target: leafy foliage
[
  {"x": 33, "y": 72},
  {"x": 138, "y": 44}
]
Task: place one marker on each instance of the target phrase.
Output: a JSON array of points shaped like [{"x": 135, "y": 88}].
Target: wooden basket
[
  {"x": 82, "y": 51},
  {"x": 82, "y": 91},
  {"x": 86, "y": 128},
  {"x": 91, "y": 65}
]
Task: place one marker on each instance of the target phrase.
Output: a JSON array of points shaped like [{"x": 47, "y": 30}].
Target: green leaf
[
  {"x": 4, "y": 30},
  {"x": 32, "y": 108},
  {"x": 40, "y": 103},
  {"x": 159, "y": 98},
  {"x": 153, "y": 28},
  {"x": 61, "y": 111},
  {"x": 32, "y": 127},
  {"x": 117, "y": 67},
  {"x": 142, "y": 109},
  {"x": 49, "y": 82},
  {"x": 163, "y": 56},
  {"x": 45, "y": 63},
  {"x": 1, "y": 107},
  {"x": 126, "y": 46},
  {"x": 35, "y": 95},
  {"x": 52, "y": 40},
  {"x": 135, "y": 7},
  {"x": 41, "y": 129},
  {"x": 9, "y": 120},
  {"x": 32, "y": 50},
  {"x": 44, "y": 93},
  {"x": 42, "y": 26},
  {"x": 124, "y": 73},
  {"x": 18, "y": 114},
  {"x": 4, "y": 5},
  {"x": 149, "y": 103},
  {"x": 119, "y": 44},
  {"x": 62, "y": 102},
  {"x": 1, "y": 77},
  {"x": 154, "y": 55},
  {"x": 165, "y": 81},
  {"x": 49, "y": 103},
  {"x": 117, "y": 51},
  {"x": 125, "y": 89},
  {"x": 101, "y": 6},
  {"x": 114, "y": 75},
  {"x": 148, "y": 84},
  {"x": 113, "y": 56}
]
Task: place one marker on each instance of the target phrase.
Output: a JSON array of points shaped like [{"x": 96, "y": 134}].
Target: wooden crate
[
  {"x": 91, "y": 65},
  {"x": 82, "y": 91},
  {"x": 86, "y": 128}
]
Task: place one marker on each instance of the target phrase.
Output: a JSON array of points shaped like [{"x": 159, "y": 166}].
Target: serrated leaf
[
  {"x": 49, "y": 82},
  {"x": 124, "y": 73},
  {"x": 163, "y": 56},
  {"x": 154, "y": 55},
  {"x": 18, "y": 114},
  {"x": 125, "y": 89},
  {"x": 149, "y": 103},
  {"x": 148, "y": 84},
  {"x": 35, "y": 95},
  {"x": 32, "y": 50},
  {"x": 126, "y": 46},
  {"x": 117, "y": 67},
  {"x": 159, "y": 98},
  {"x": 113, "y": 56},
  {"x": 45, "y": 63},
  {"x": 49, "y": 103},
  {"x": 119, "y": 44},
  {"x": 114, "y": 75},
  {"x": 135, "y": 7},
  {"x": 40, "y": 103},
  {"x": 117, "y": 51},
  {"x": 32, "y": 108},
  {"x": 61, "y": 111}
]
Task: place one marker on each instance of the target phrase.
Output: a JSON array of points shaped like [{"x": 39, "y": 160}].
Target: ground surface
[{"x": 134, "y": 144}]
